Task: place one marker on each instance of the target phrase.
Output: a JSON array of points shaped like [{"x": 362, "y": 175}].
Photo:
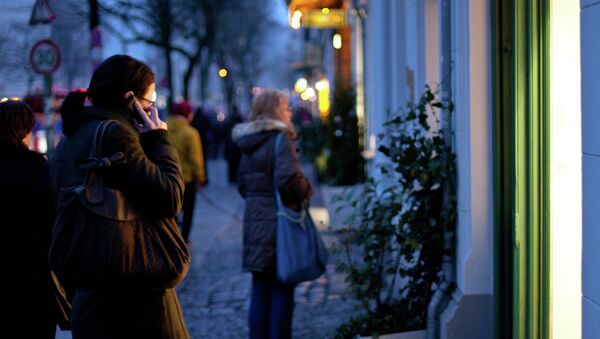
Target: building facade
[
  {"x": 522, "y": 76},
  {"x": 514, "y": 76},
  {"x": 590, "y": 161}
]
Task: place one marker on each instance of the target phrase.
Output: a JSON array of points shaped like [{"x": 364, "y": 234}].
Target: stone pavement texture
[{"x": 215, "y": 295}]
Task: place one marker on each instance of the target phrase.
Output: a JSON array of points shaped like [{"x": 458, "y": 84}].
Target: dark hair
[
  {"x": 113, "y": 78},
  {"x": 16, "y": 121}
]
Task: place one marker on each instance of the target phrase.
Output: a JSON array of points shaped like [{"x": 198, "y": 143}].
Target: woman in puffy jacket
[
  {"x": 272, "y": 302},
  {"x": 149, "y": 175}
]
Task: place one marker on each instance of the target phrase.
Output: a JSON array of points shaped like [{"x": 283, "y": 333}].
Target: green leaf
[{"x": 383, "y": 149}]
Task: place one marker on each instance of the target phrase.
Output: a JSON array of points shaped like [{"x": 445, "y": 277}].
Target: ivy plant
[{"x": 395, "y": 243}]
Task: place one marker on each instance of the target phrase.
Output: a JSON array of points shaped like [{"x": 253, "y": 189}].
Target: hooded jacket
[
  {"x": 258, "y": 175},
  {"x": 150, "y": 177}
]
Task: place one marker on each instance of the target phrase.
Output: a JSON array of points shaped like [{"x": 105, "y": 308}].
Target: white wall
[
  {"x": 470, "y": 312},
  {"x": 565, "y": 170},
  {"x": 414, "y": 38},
  {"x": 471, "y": 88},
  {"x": 384, "y": 68},
  {"x": 397, "y": 59},
  {"x": 590, "y": 101},
  {"x": 431, "y": 42},
  {"x": 375, "y": 75}
]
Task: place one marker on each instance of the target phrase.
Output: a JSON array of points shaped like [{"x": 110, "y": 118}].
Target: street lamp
[
  {"x": 295, "y": 22},
  {"x": 300, "y": 85},
  {"x": 337, "y": 41}
]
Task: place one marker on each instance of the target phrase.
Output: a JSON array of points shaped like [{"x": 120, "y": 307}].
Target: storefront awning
[
  {"x": 304, "y": 5},
  {"x": 317, "y": 13}
]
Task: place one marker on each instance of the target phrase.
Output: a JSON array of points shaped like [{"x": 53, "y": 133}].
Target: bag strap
[
  {"x": 277, "y": 195},
  {"x": 280, "y": 209}
]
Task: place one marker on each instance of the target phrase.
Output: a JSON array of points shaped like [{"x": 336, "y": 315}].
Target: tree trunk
[
  {"x": 169, "y": 62},
  {"x": 166, "y": 23},
  {"x": 187, "y": 76},
  {"x": 229, "y": 87},
  {"x": 205, "y": 61},
  {"x": 192, "y": 62}
]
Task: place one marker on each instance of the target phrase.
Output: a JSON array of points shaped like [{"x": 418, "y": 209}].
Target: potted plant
[{"x": 399, "y": 224}]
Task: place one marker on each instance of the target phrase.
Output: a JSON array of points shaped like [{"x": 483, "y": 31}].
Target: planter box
[
  {"x": 402, "y": 335},
  {"x": 337, "y": 219}
]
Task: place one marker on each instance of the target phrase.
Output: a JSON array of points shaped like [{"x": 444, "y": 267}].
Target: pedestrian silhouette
[
  {"x": 187, "y": 141},
  {"x": 148, "y": 175},
  {"x": 259, "y": 174},
  {"x": 232, "y": 151},
  {"x": 201, "y": 123},
  {"x": 27, "y": 210}
]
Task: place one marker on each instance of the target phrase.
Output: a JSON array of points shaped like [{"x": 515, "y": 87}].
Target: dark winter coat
[
  {"x": 151, "y": 179},
  {"x": 257, "y": 169},
  {"x": 27, "y": 214}
]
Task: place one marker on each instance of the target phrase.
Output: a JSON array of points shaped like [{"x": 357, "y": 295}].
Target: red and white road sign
[
  {"x": 45, "y": 57},
  {"x": 41, "y": 13}
]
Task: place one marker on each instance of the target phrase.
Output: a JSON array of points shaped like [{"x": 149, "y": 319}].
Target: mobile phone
[{"x": 132, "y": 110}]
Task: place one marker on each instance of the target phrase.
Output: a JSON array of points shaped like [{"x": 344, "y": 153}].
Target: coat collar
[
  {"x": 93, "y": 112},
  {"x": 257, "y": 126}
]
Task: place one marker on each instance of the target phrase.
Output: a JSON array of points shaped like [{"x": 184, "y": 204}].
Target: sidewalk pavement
[{"x": 215, "y": 295}]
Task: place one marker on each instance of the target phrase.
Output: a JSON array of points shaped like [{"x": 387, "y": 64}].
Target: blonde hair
[{"x": 265, "y": 105}]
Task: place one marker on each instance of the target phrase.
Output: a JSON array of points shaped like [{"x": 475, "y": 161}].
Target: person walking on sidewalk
[
  {"x": 232, "y": 151},
  {"x": 187, "y": 142},
  {"x": 121, "y": 90},
  {"x": 202, "y": 124},
  {"x": 27, "y": 210},
  {"x": 272, "y": 302}
]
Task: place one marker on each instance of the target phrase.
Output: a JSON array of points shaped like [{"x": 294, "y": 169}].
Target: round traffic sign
[{"x": 45, "y": 57}]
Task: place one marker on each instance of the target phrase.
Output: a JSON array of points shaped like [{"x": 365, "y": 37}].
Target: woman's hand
[{"x": 151, "y": 122}]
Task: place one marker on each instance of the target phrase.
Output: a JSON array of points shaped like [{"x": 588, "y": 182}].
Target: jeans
[{"x": 271, "y": 308}]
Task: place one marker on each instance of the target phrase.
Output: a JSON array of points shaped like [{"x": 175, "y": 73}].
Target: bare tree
[
  {"x": 243, "y": 44},
  {"x": 15, "y": 44},
  {"x": 149, "y": 21},
  {"x": 75, "y": 68},
  {"x": 200, "y": 22},
  {"x": 230, "y": 32},
  {"x": 187, "y": 27}
]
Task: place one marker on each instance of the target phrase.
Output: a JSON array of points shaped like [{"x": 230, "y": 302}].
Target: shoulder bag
[
  {"x": 301, "y": 253},
  {"x": 101, "y": 240}
]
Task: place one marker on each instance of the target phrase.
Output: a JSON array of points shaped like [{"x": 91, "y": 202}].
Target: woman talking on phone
[{"x": 122, "y": 89}]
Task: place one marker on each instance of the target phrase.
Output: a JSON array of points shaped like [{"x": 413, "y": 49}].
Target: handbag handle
[
  {"x": 93, "y": 181},
  {"x": 93, "y": 162}
]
